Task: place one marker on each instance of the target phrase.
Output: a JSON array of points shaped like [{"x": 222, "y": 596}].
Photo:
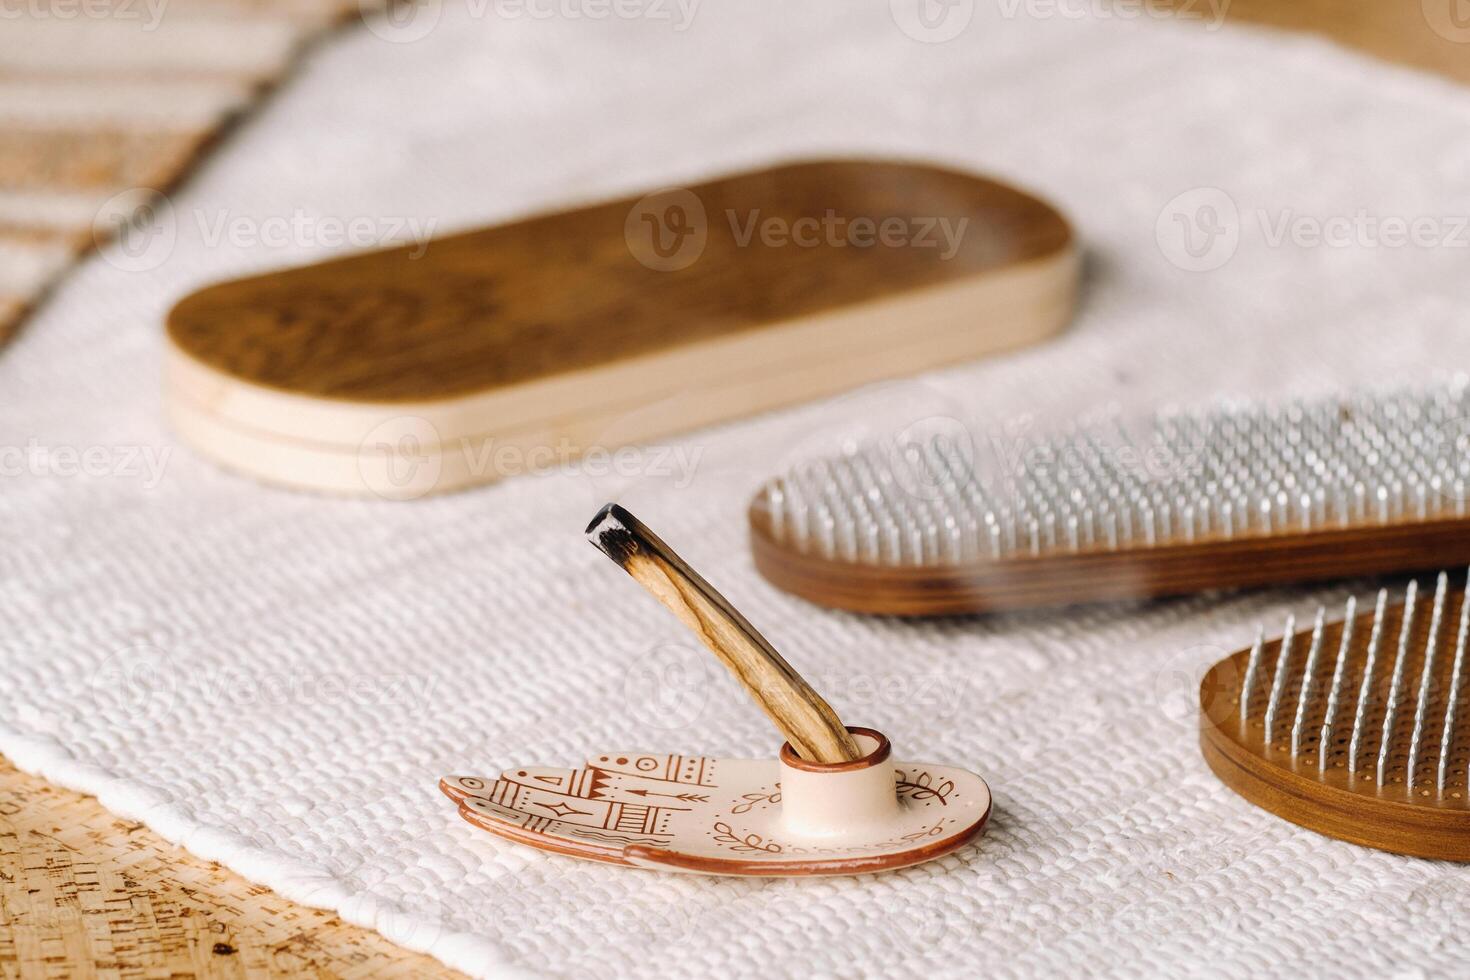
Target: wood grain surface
[
  {"x": 576, "y": 289},
  {"x": 1402, "y": 809},
  {"x": 800, "y": 714},
  {"x": 612, "y": 324},
  {"x": 86, "y": 894},
  {"x": 1419, "y": 33},
  {"x": 312, "y": 944},
  {"x": 1171, "y": 568}
]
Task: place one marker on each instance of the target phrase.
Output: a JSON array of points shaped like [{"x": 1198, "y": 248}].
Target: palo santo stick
[{"x": 799, "y": 713}]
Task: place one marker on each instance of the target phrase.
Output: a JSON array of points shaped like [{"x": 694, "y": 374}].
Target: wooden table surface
[
  {"x": 85, "y": 894},
  {"x": 1421, "y": 33}
]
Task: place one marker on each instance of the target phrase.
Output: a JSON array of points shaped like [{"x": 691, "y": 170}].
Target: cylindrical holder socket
[{"x": 839, "y": 799}]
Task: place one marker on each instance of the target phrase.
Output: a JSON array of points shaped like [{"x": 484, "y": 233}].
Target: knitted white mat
[{"x": 277, "y": 680}]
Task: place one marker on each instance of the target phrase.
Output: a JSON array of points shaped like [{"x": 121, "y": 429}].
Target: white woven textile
[{"x": 277, "y": 680}]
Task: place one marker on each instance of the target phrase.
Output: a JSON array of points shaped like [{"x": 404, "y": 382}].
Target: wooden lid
[
  {"x": 615, "y": 323},
  {"x": 564, "y": 292}
]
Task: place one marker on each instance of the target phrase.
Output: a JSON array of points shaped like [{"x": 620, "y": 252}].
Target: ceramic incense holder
[
  {"x": 753, "y": 817},
  {"x": 832, "y": 803}
]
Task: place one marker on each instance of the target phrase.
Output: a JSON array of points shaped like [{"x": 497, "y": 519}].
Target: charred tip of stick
[
  {"x": 613, "y": 532},
  {"x": 607, "y": 513}
]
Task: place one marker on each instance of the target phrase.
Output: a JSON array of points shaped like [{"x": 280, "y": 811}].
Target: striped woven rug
[{"x": 100, "y": 98}]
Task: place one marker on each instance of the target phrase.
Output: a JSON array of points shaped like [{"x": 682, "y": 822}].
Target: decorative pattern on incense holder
[
  {"x": 408, "y": 371},
  {"x": 747, "y": 817},
  {"x": 1235, "y": 497},
  {"x": 832, "y": 804},
  {"x": 1355, "y": 729}
]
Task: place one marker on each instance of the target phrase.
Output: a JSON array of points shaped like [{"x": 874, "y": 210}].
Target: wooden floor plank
[
  {"x": 86, "y": 894},
  {"x": 1428, "y": 34}
]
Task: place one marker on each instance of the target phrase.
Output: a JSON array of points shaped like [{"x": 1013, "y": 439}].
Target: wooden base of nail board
[
  {"x": 1406, "y": 809},
  {"x": 1171, "y": 568},
  {"x": 742, "y": 817},
  {"x": 414, "y": 370}
]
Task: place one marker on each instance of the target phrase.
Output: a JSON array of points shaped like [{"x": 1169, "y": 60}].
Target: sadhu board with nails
[
  {"x": 1357, "y": 729},
  {"x": 411, "y": 370},
  {"x": 1233, "y": 496}
]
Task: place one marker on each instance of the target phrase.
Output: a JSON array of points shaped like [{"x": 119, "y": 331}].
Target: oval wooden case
[
  {"x": 561, "y": 332},
  {"x": 1411, "y": 808}
]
